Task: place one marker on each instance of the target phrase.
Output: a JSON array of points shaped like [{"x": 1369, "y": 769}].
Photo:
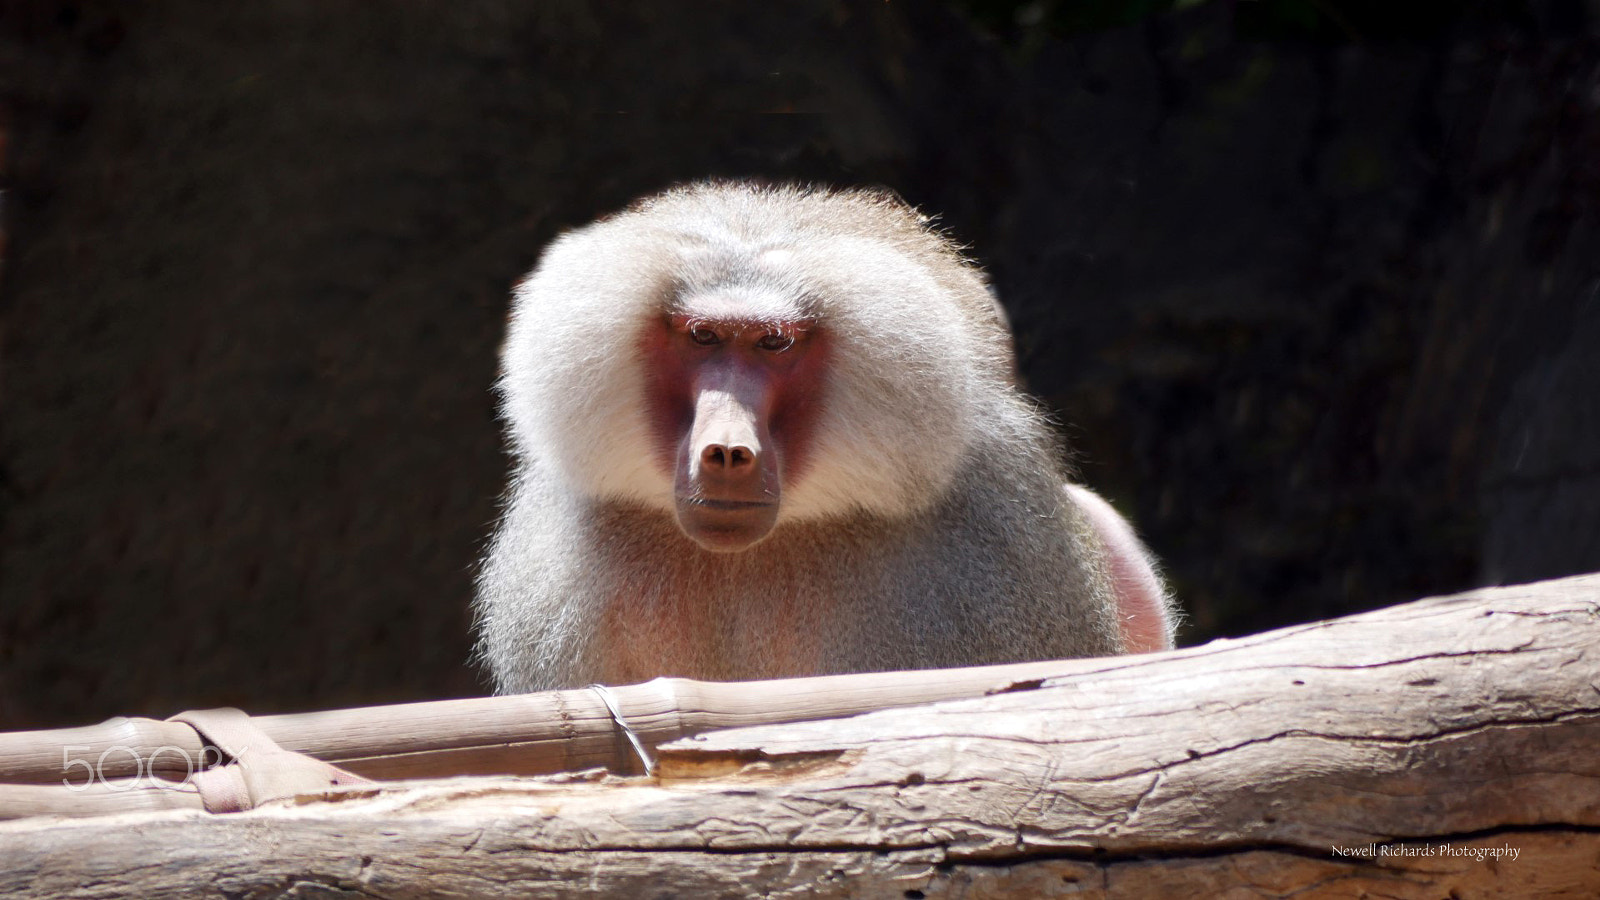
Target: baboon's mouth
[{"x": 729, "y": 505}]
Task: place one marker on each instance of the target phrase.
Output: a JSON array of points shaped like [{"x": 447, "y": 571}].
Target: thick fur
[{"x": 928, "y": 529}]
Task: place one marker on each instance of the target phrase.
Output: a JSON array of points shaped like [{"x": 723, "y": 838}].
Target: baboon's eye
[
  {"x": 775, "y": 341},
  {"x": 703, "y": 336}
]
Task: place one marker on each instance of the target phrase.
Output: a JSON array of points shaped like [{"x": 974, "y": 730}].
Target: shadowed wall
[{"x": 1319, "y": 298}]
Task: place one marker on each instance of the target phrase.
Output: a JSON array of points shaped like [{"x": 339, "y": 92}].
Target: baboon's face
[{"x": 732, "y": 402}]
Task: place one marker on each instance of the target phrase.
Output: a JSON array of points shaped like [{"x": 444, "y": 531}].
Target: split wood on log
[{"x": 1444, "y": 748}]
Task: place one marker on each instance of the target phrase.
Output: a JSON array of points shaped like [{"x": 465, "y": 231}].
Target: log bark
[{"x": 1444, "y": 748}]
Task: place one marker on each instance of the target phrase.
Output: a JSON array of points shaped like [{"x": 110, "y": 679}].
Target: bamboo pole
[{"x": 128, "y": 764}]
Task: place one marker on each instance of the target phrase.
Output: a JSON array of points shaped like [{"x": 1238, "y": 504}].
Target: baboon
[{"x": 769, "y": 431}]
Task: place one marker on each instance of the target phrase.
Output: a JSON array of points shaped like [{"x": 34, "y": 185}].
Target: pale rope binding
[
  {"x": 258, "y": 770},
  {"x": 610, "y": 700}
]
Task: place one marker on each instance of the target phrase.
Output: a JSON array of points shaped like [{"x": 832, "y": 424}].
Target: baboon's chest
[{"x": 694, "y": 623}]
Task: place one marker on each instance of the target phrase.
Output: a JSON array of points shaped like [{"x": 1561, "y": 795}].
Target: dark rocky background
[{"x": 1315, "y": 283}]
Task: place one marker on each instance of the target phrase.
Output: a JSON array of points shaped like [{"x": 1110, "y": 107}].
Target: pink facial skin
[{"x": 733, "y": 404}]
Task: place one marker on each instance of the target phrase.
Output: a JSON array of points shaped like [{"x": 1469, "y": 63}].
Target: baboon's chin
[{"x": 727, "y": 528}]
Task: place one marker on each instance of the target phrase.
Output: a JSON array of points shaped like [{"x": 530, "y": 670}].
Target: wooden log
[{"x": 1449, "y": 747}]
